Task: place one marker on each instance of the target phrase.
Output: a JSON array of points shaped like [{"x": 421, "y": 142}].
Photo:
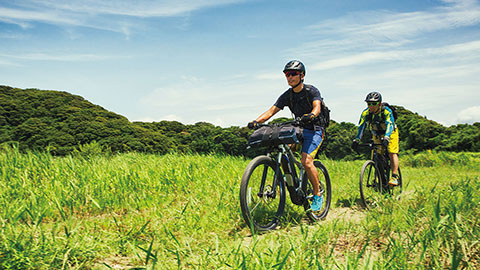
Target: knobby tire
[
  {"x": 259, "y": 211},
  {"x": 370, "y": 184},
  {"x": 324, "y": 179}
]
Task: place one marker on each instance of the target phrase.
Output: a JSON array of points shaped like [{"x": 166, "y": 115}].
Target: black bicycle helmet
[
  {"x": 295, "y": 65},
  {"x": 373, "y": 97}
]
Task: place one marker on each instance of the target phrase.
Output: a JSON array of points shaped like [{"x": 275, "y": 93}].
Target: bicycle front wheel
[
  {"x": 325, "y": 190},
  {"x": 261, "y": 203},
  {"x": 370, "y": 185}
]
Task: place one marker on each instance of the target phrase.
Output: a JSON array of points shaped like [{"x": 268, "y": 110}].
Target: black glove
[
  {"x": 253, "y": 124},
  {"x": 385, "y": 142},
  {"x": 307, "y": 118},
  {"x": 355, "y": 145}
]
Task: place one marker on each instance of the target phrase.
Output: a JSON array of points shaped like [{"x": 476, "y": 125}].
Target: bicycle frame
[
  {"x": 284, "y": 153},
  {"x": 262, "y": 199},
  {"x": 381, "y": 161},
  {"x": 377, "y": 158}
]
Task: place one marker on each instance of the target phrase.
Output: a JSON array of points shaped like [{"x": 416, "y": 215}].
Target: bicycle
[
  {"x": 262, "y": 189},
  {"x": 375, "y": 175}
]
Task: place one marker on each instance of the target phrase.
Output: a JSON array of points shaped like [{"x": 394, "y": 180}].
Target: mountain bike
[
  {"x": 262, "y": 189},
  {"x": 375, "y": 175}
]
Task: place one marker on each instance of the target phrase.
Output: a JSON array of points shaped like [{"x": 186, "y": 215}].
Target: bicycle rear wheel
[
  {"x": 325, "y": 189},
  {"x": 261, "y": 206},
  {"x": 370, "y": 185}
]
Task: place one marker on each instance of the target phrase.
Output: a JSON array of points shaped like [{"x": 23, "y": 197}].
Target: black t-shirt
[{"x": 299, "y": 103}]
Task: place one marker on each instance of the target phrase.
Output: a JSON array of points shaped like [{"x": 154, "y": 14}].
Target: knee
[
  {"x": 304, "y": 161},
  {"x": 307, "y": 162}
]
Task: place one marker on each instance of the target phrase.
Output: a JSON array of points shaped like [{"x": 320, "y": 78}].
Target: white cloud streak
[
  {"x": 429, "y": 54},
  {"x": 22, "y": 17},
  {"x": 377, "y": 30},
  {"x": 469, "y": 115},
  {"x": 458, "y": 51},
  {"x": 87, "y": 12},
  {"x": 139, "y": 8},
  {"x": 63, "y": 58}
]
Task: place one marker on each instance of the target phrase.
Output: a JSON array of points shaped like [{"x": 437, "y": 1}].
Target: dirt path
[
  {"x": 352, "y": 214},
  {"x": 348, "y": 214}
]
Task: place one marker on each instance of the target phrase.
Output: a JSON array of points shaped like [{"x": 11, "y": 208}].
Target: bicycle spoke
[
  {"x": 249, "y": 195},
  {"x": 259, "y": 206},
  {"x": 325, "y": 190},
  {"x": 369, "y": 185}
]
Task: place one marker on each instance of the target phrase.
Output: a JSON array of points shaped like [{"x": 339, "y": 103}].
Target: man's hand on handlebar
[
  {"x": 355, "y": 145},
  {"x": 253, "y": 124},
  {"x": 307, "y": 118},
  {"x": 385, "y": 142}
]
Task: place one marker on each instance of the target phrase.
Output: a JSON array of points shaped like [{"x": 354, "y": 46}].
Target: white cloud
[
  {"x": 357, "y": 59},
  {"x": 98, "y": 14},
  {"x": 22, "y": 17},
  {"x": 7, "y": 63},
  {"x": 172, "y": 117},
  {"x": 469, "y": 115},
  {"x": 455, "y": 53},
  {"x": 376, "y": 30},
  {"x": 403, "y": 55},
  {"x": 426, "y": 72},
  {"x": 169, "y": 117},
  {"x": 55, "y": 11},
  {"x": 270, "y": 76},
  {"x": 57, "y": 57},
  {"x": 224, "y": 101},
  {"x": 139, "y": 8}
]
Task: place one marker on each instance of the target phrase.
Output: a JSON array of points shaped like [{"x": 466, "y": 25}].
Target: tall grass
[
  {"x": 434, "y": 158},
  {"x": 182, "y": 212}
]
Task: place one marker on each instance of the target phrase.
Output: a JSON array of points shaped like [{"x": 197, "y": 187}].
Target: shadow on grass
[
  {"x": 294, "y": 216},
  {"x": 349, "y": 202}
]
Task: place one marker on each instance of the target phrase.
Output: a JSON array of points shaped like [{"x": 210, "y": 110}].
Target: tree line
[{"x": 61, "y": 123}]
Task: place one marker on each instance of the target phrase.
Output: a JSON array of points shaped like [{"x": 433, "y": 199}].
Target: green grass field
[{"x": 182, "y": 212}]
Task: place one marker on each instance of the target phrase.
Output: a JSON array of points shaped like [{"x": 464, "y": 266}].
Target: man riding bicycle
[
  {"x": 384, "y": 130},
  {"x": 304, "y": 101}
]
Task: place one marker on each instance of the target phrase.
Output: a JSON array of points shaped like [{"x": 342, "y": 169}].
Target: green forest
[{"x": 62, "y": 123}]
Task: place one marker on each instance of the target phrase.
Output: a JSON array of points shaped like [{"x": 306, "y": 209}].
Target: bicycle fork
[{"x": 273, "y": 192}]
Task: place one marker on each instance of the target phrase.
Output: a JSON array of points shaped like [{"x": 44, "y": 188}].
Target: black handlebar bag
[{"x": 275, "y": 135}]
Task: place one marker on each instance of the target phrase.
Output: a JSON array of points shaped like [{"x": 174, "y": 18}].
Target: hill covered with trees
[{"x": 62, "y": 123}]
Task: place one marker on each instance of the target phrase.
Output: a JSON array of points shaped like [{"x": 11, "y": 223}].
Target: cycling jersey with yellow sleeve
[{"x": 380, "y": 125}]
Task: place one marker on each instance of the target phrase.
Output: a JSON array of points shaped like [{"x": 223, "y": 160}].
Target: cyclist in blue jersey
[
  {"x": 304, "y": 101},
  {"x": 382, "y": 123}
]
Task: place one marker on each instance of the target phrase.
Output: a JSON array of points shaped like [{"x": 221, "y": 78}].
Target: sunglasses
[
  {"x": 292, "y": 73},
  {"x": 373, "y": 103}
]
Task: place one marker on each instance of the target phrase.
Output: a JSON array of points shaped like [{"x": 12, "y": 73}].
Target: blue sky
[{"x": 221, "y": 61}]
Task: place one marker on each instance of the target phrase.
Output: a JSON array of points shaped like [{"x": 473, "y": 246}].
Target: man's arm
[
  {"x": 266, "y": 115},
  {"x": 316, "y": 108},
  {"x": 389, "y": 121},
  {"x": 362, "y": 124}
]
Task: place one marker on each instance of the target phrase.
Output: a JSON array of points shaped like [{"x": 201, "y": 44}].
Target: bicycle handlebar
[
  {"x": 369, "y": 144},
  {"x": 295, "y": 122}
]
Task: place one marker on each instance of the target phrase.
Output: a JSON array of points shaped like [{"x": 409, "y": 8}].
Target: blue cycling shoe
[{"x": 316, "y": 203}]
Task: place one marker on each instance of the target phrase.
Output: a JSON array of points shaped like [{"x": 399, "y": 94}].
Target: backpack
[
  {"x": 324, "y": 117},
  {"x": 394, "y": 111}
]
